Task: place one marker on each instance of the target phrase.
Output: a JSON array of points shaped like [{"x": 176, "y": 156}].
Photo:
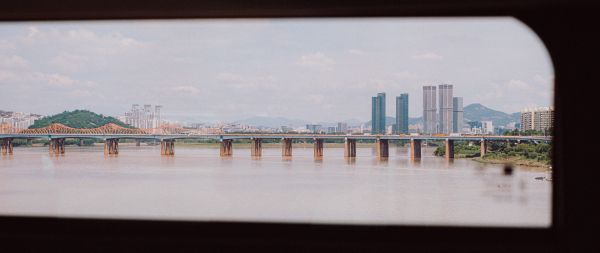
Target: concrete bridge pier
[
  {"x": 29, "y": 142},
  {"x": 57, "y": 146},
  {"x": 286, "y": 147},
  {"x": 256, "y": 147},
  {"x": 226, "y": 147},
  {"x": 318, "y": 148},
  {"x": 6, "y": 146},
  {"x": 167, "y": 147},
  {"x": 483, "y": 147},
  {"x": 449, "y": 154},
  {"x": 111, "y": 147},
  {"x": 137, "y": 143},
  {"x": 415, "y": 149},
  {"x": 382, "y": 147},
  {"x": 350, "y": 148}
]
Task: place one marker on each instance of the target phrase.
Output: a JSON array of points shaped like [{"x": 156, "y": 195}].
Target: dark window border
[{"x": 565, "y": 28}]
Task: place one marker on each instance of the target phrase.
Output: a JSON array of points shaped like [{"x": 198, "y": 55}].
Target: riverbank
[{"x": 515, "y": 161}]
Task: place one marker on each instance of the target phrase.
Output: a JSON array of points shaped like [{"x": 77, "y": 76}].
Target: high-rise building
[
  {"x": 157, "y": 118},
  {"x": 143, "y": 117},
  {"x": 429, "y": 110},
  {"x": 539, "y": 119},
  {"x": 18, "y": 119},
  {"x": 445, "y": 113},
  {"x": 487, "y": 127},
  {"x": 457, "y": 114},
  {"x": 526, "y": 120},
  {"x": 402, "y": 114},
  {"x": 378, "y": 114},
  {"x": 342, "y": 127}
]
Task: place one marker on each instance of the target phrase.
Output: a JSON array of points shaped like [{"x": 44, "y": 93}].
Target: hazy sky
[{"x": 312, "y": 69}]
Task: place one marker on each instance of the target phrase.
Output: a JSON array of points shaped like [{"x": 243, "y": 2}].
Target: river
[{"x": 197, "y": 184}]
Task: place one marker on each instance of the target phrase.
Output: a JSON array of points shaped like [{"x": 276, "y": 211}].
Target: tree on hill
[{"x": 78, "y": 119}]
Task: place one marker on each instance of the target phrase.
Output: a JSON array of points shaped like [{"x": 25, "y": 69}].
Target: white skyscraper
[
  {"x": 446, "y": 112},
  {"x": 143, "y": 117},
  {"x": 429, "y": 110},
  {"x": 487, "y": 127}
]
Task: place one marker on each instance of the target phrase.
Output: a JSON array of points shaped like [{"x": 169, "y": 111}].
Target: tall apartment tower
[
  {"x": 445, "y": 113},
  {"x": 157, "y": 119},
  {"x": 429, "y": 110},
  {"x": 143, "y": 117},
  {"x": 342, "y": 127},
  {"x": 457, "y": 114},
  {"x": 378, "y": 114},
  {"x": 539, "y": 119},
  {"x": 135, "y": 119},
  {"x": 147, "y": 117},
  {"x": 526, "y": 120},
  {"x": 402, "y": 114}
]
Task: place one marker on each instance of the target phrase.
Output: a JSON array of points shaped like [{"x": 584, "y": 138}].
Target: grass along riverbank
[{"x": 525, "y": 154}]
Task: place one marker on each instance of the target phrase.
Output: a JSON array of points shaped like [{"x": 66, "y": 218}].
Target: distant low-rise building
[
  {"x": 415, "y": 128},
  {"x": 286, "y": 129},
  {"x": 313, "y": 128}
]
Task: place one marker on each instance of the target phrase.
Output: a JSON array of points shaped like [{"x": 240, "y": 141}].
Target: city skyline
[{"x": 226, "y": 70}]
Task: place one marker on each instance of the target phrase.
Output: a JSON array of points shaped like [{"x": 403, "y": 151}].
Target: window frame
[{"x": 539, "y": 16}]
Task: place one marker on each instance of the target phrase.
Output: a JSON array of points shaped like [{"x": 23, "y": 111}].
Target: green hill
[
  {"x": 478, "y": 112},
  {"x": 78, "y": 119}
]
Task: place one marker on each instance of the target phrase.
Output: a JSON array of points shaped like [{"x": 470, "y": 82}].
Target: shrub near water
[
  {"x": 461, "y": 150},
  {"x": 540, "y": 153},
  {"x": 524, "y": 151}
]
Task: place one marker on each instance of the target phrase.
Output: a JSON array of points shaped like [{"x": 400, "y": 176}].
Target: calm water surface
[{"x": 196, "y": 184}]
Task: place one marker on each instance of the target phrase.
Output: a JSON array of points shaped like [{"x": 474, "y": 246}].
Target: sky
[{"x": 321, "y": 70}]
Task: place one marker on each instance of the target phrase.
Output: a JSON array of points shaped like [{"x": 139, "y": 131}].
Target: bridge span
[{"x": 56, "y": 134}]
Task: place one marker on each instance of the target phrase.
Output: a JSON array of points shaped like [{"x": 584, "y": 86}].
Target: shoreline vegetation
[{"x": 523, "y": 154}]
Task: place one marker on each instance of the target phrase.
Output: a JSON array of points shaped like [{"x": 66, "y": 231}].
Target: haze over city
[{"x": 225, "y": 70}]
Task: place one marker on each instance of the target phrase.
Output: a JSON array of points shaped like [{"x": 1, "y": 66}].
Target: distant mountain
[
  {"x": 353, "y": 122},
  {"x": 478, "y": 112},
  {"x": 78, "y": 119},
  {"x": 472, "y": 112},
  {"x": 275, "y": 122}
]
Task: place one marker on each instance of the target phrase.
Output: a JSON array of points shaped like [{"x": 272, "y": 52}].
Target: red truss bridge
[{"x": 167, "y": 135}]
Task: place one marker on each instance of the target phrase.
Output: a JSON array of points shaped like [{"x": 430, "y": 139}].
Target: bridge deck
[{"x": 273, "y": 136}]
